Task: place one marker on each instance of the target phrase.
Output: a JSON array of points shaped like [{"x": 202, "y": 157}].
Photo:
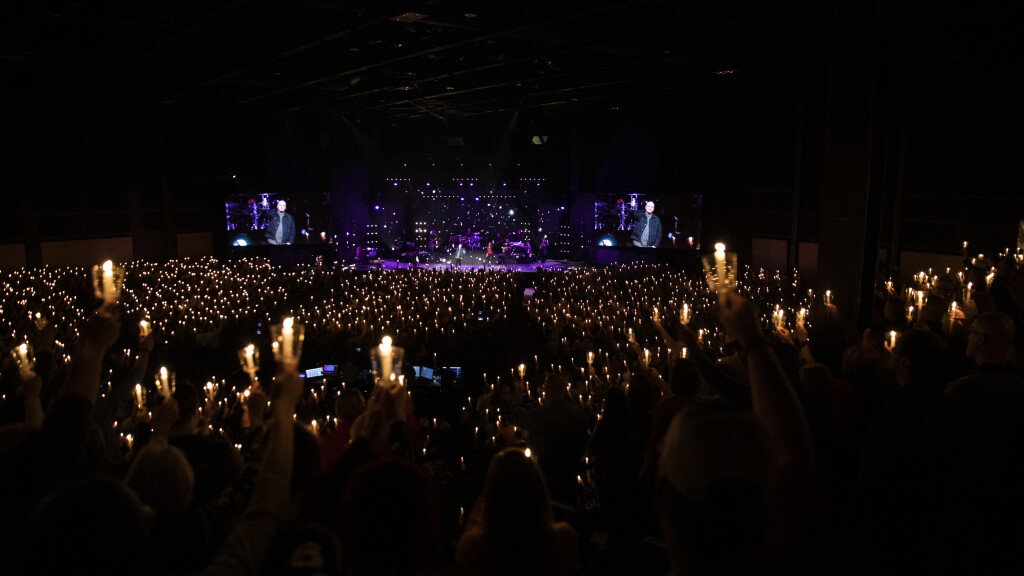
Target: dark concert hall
[{"x": 620, "y": 287}]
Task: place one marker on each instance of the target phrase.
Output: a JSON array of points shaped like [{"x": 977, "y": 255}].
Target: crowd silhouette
[{"x": 612, "y": 420}]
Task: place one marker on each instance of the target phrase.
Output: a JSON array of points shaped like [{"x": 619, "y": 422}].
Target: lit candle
[
  {"x": 910, "y": 314},
  {"x": 108, "y": 282},
  {"x": 143, "y": 328},
  {"x": 385, "y": 358},
  {"x": 892, "y": 339},
  {"x": 720, "y": 272},
  {"x": 780, "y": 319},
  {"x": 288, "y": 336},
  {"x": 590, "y": 358},
  {"x": 23, "y": 357},
  {"x": 654, "y": 313},
  {"x": 682, "y": 352},
  {"x": 828, "y": 297},
  {"x": 647, "y": 357},
  {"x": 684, "y": 314},
  {"x": 522, "y": 370},
  {"x": 801, "y": 317},
  {"x": 163, "y": 381},
  {"x": 140, "y": 401}
]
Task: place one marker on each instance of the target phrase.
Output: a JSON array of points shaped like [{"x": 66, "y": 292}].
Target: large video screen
[
  {"x": 262, "y": 218},
  {"x": 617, "y": 216}
]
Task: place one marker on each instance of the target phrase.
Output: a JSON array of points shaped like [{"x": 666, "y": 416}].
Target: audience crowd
[{"x": 594, "y": 421}]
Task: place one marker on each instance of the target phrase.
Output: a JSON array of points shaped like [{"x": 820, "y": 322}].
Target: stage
[{"x": 599, "y": 256}]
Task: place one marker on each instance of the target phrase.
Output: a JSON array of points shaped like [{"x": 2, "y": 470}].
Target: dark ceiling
[{"x": 441, "y": 59}]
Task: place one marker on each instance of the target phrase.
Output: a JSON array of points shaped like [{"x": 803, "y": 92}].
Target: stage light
[
  {"x": 376, "y": 207},
  {"x": 606, "y": 241},
  {"x": 240, "y": 241},
  {"x": 511, "y": 212}
]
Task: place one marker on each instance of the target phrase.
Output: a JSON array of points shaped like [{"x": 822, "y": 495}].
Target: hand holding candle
[
  {"x": 249, "y": 357},
  {"x": 107, "y": 281},
  {"x": 288, "y": 337},
  {"x": 24, "y": 357},
  {"x": 165, "y": 382},
  {"x": 720, "y": 270}
]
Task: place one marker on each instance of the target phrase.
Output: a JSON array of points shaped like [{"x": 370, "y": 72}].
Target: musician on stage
[
  {"x": 460, "y": 253},
  {"x": 647, "y": 232},
  {"x": 282, "y": 228}
]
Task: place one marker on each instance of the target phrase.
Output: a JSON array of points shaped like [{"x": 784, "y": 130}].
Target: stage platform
[{"x": 468, "y": 264}]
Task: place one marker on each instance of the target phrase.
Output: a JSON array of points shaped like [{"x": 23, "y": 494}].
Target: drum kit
[
  {"x": 470, "y": 240},
  {"x": 247, "y": 213},
  {"x": 617, "y": 215}
]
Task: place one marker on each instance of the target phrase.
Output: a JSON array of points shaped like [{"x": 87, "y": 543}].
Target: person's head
[
  {"x": 685, "y": 380},
  {"x": 188, "y": 397},
  {"x": 372, "y": 425},
  {"x": 714, "y": 479},
  {"x": 649, "y": 208},
  {"x": 97, "y": 526},
  {"x": 162, "y": 477},
  {"x": 306, "y": 459},
  {"x": 389, "y": 518},
  {"x": 895, "y": 309},
  {"x": 555, "y": 386},
  {"x": 349, "y": 404},
  {"x": 642, "y": 393},
  {"x": 615, "y": 407},
  {"x": 921, "y": 359},
  {"x": 517, "y": 512},
  {"x": 281, "y": 206},
  {"x": 990, "y": 339}
]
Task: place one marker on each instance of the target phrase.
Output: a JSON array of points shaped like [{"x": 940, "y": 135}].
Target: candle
[
  {"x": 720, "y": 272},
  {"x": 590, "y": 358},
  {"x": 288, "y": 336},
  {"x": 828, "y": 297},
  {"x": 779, "y": 319},
  {"x": 140, "y": 400},
  {"x": 654, "y": 313},
  {"x": 910, "y": 314},
  {"x": 385, "y": 358},
  {"x": 892, "y": 340},
  {"x": 684, "y": 314},
  {"x": 108, "y": 282},
  {"x": 143, "y": 328},
  {"x": 163, "y": 383},
  {"x": 801, "y": 317},
  {"x": 522, "y": 370},
  {"x": 647, "y": 356},
  {"x": 23, "y": 362}
]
